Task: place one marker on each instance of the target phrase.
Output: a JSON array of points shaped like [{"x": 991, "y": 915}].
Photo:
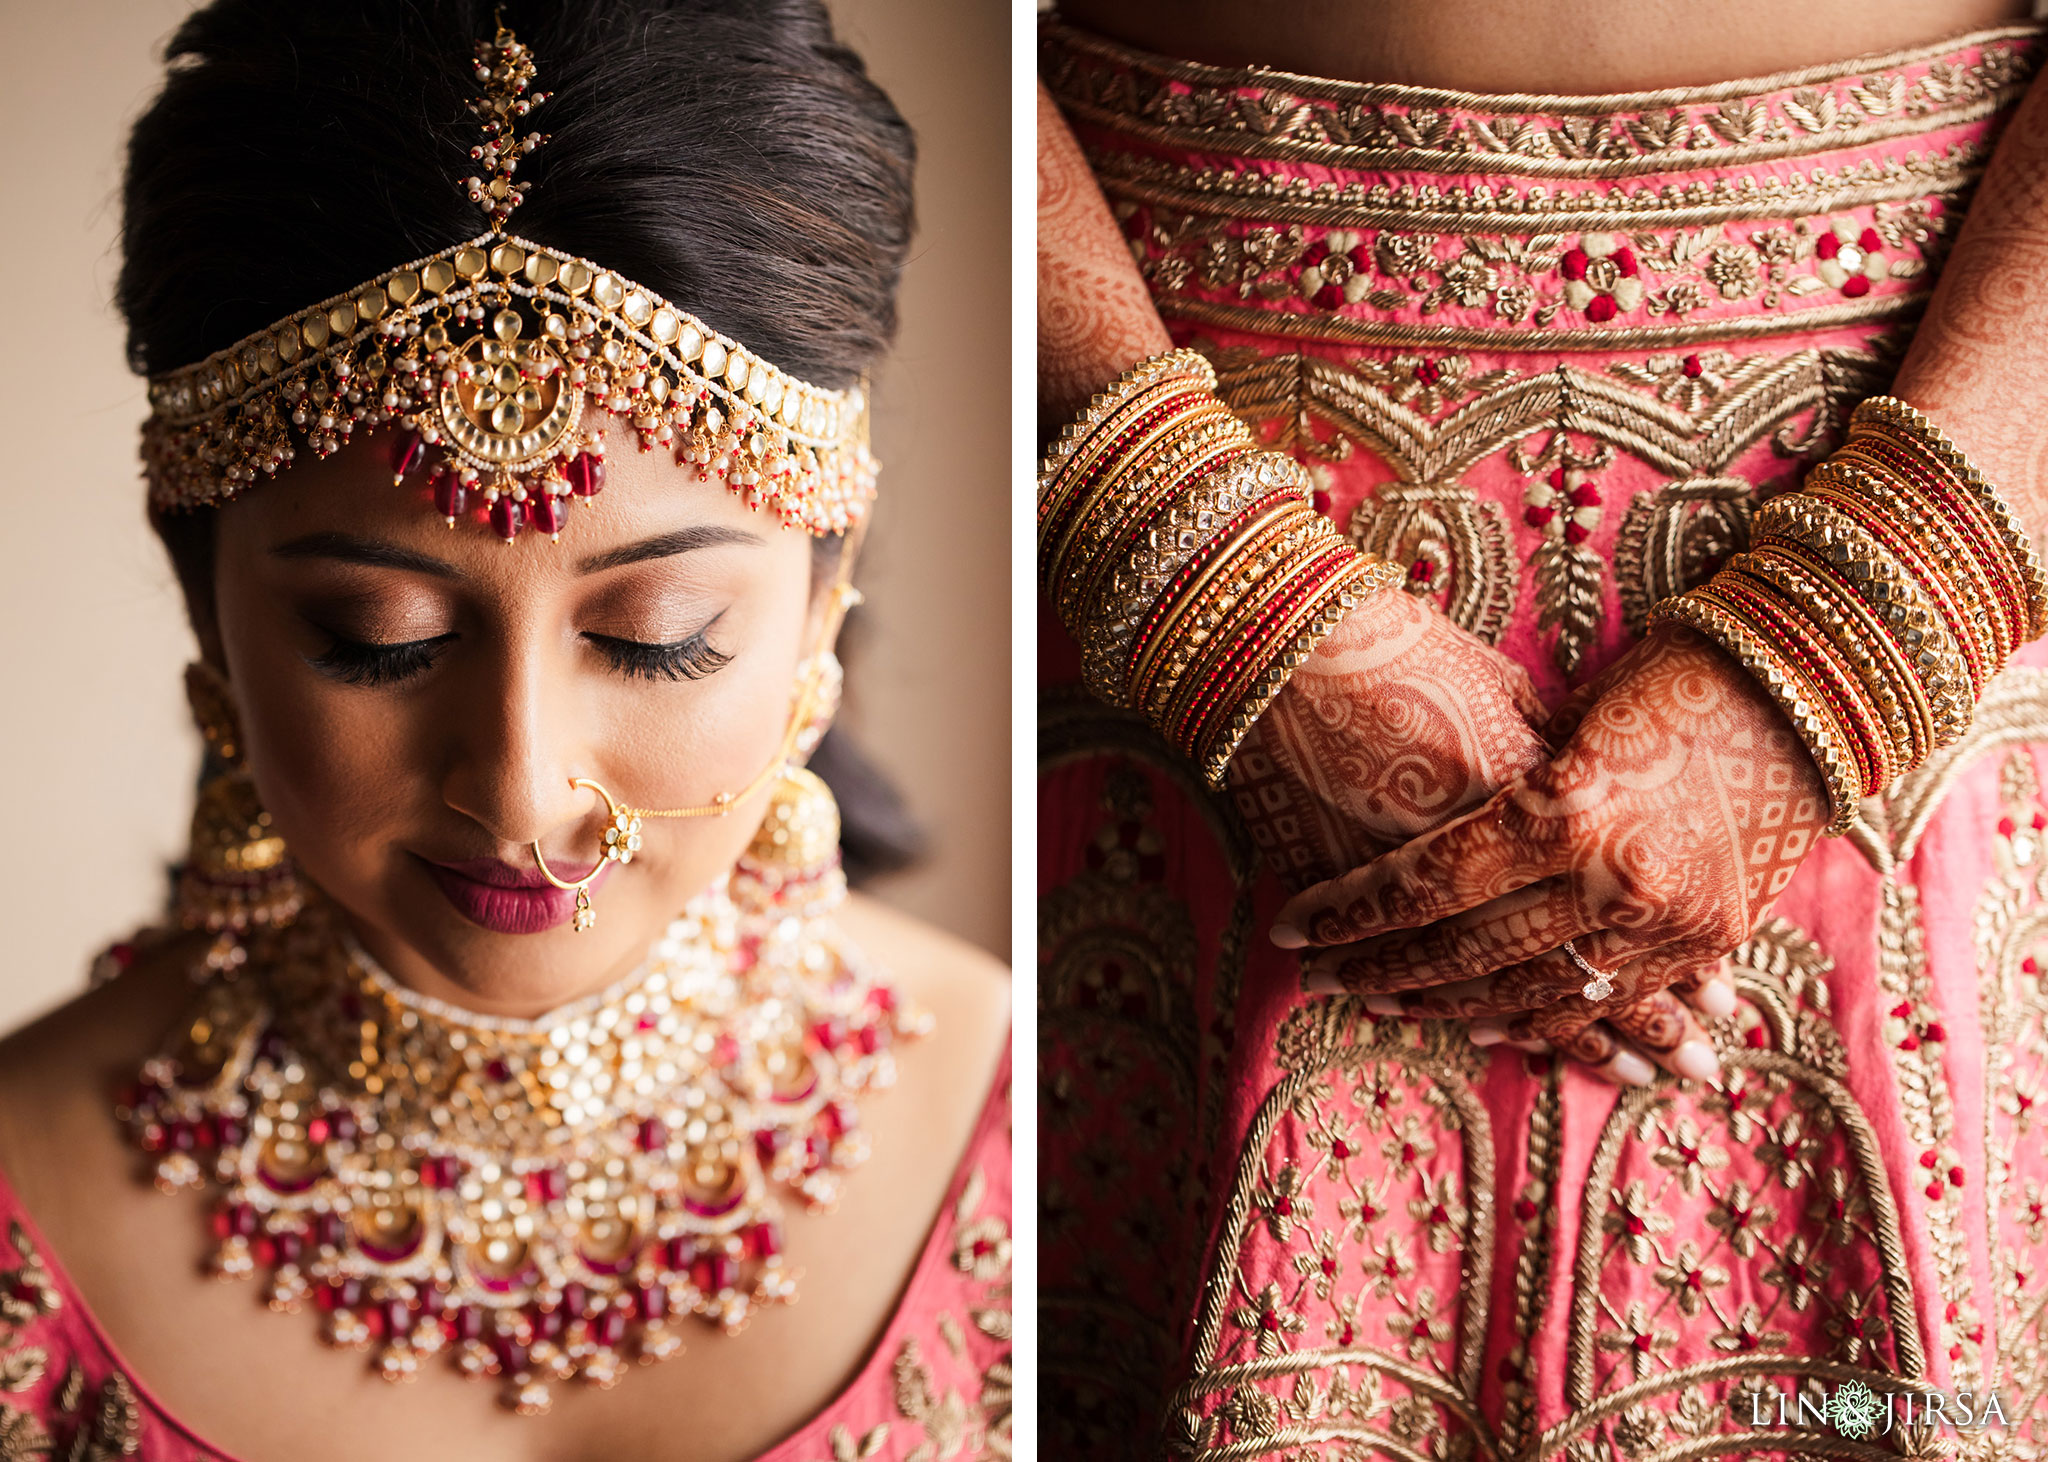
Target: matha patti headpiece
[{"x": 491, "y": 355}]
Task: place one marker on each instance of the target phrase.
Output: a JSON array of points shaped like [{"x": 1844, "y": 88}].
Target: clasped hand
[{"x": 1676, "y": 806}]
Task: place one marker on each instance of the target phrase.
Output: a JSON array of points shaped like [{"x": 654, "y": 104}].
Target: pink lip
[{"x": 502, "y": 898}]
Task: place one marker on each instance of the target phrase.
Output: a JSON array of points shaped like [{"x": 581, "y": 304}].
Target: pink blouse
[{"x": 938, "y": 1384}]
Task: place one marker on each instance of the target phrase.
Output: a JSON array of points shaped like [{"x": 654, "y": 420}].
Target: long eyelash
[
  {"x": 688, "y": 659},
  {"x": 360, "y": 662}
]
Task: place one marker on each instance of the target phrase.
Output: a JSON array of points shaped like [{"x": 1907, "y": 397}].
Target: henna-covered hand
[
  {"x": 1095, "y": 316},
  {"x": 1678, "y": 807},
  {"x": 1399, "y": 722}
]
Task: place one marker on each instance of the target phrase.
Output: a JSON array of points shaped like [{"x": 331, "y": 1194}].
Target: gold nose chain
[{"x": 622, "y": 833}]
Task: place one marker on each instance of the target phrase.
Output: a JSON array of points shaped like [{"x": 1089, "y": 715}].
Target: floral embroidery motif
[
  {"x": 1335, "y": 1329},
  {"x": 1601, "y": 277},
  {"x": 1694, "y": 280}
]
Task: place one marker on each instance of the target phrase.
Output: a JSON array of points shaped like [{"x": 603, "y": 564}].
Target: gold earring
[
  {"x": 237, "y": 873},
  {"x": 799, "y": 834}
]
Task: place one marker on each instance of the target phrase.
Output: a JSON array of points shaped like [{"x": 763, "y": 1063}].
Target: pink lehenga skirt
[{"x": 1550, "y": 352}]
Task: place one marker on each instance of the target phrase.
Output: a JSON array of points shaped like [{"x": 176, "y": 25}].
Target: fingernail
[
  {"x": 1697, "y": 1060},
  {"x": 1716, "y": 998},
  {"x": 1632, "y": 1069},
  {"x": 1317, "y": 982},
  {"x": 1288, "y": 937},
  {"x": 1486, "y": 1035},
  {"x": 1383, "y": 1005}
]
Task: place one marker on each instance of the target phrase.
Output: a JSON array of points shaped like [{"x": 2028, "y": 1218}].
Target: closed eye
[
  {"x": 366, "y": 662},
  {"x": 691, "y": 658}
]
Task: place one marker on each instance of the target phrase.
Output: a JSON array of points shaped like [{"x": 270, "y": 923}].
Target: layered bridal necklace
[{"x": 538, "y": 1199}]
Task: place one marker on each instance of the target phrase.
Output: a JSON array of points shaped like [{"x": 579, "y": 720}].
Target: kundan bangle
[
  {"x": 1186, "y": 561},
  {"x": 1878, "y": 602}
]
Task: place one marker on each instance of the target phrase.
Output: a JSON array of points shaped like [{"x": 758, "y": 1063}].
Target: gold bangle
[
  {"x": 1365, "y": 577},
  {"x": 2026, "y": 561}
]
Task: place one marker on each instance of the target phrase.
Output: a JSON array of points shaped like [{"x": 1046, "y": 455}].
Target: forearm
[
  {"x": 1979, "y": 362},
  {"x": 1095, "y": 317}
]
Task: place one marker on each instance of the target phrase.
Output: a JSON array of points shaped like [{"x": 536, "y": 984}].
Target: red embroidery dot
[
  {"x": 1856, "y": 286},
  {"x": 1827, "y": 245},
  {"x": 1600, "y": 309},
  {"x": 1691, "y": 366}
]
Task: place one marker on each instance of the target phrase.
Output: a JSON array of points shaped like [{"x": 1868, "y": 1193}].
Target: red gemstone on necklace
[
  {"x": 547, "y": 1186},
  {"x": 652, "y": 1136},
  {"x": 397, "y": 1317},
  {"x": 610, "y": 1327},
  {"x": 576, "y": 1300},
  {"x": 764, "y": 1240},
  {"x": 467, "y": 1322},
  {"x": 329, "y": 1230},
  {"x": 507, "y": 518},
  {"x": 547, "y": 1324},
  {"x": 682, "y": 1252}
]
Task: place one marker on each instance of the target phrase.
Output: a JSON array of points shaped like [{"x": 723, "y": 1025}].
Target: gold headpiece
[{"x": 491, "y": 352}]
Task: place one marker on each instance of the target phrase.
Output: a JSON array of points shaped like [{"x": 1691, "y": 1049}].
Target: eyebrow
[
  {"x": 667, "y": 545},
  {"x": 347, "y": 548}
]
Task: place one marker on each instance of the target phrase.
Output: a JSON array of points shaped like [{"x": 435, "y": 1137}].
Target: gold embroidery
[
  {"x": 2011, "y": 924},
  {"x": 1694, "y": 431},
  {"x": 1118, "y": 970},
  {"x": 1400, "y": 335},
  {"x": 1265, "y": 113},
  {"x": 945, "y": 1419},
  {"x": 21, "y": 1369},
  {"x": 28, "y": 1290},
  {"x": 1420, "y": 209},
  {"x": 22, "y": 1438},
  {"x": 1432, "y": 1355},
  {"x": 1535, "y": 1208}
]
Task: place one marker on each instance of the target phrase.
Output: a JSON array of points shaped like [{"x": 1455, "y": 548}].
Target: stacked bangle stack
[
  {"x": 1186, "y": 561},
  {"x": 1877, "y": 602}
]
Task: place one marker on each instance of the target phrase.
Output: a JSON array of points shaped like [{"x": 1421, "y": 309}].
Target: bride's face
[{"x": 416, "y": 699}]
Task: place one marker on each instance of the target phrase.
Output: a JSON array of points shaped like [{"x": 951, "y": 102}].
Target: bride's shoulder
[
  {"x": 966, "y": 989},
  {"x": 926, "y": 960},
  {"x": 59, "y": 1073}
]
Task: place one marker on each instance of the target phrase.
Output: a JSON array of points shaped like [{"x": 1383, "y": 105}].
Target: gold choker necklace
[{"x": 539, "y": 1197}]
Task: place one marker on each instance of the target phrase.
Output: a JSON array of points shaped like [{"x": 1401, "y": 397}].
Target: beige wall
[{"x": 94, "y": 741}]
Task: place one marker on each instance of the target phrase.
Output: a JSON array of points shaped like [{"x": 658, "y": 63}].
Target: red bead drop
[
  {"x": 407, "y": 455},
  {"x": 585, "y": 472},
  {"x": 652, "y": 1136},
  {"x": 546, "y": 512},
  {"x": 610, "y": 1328},
  {"x": 653, "y": 1301},
  {"x": 451, "y": 498},
  {"x": 507, "y": 518}
]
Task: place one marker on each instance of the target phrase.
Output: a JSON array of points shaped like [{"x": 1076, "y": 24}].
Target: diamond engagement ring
[{"x": 1601, "y": 982}]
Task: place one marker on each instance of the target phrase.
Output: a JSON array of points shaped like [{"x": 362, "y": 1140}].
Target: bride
[{"x": 509, "y": 439}]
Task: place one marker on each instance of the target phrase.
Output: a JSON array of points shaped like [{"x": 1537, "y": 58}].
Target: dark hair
[{"x": 731, "y": 155}]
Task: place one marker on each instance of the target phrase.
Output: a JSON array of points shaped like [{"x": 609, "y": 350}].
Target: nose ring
[{"x": 621, "y": 842}]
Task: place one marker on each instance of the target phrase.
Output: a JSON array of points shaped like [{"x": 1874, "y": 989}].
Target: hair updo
[{"x": 730, "y": 155}]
